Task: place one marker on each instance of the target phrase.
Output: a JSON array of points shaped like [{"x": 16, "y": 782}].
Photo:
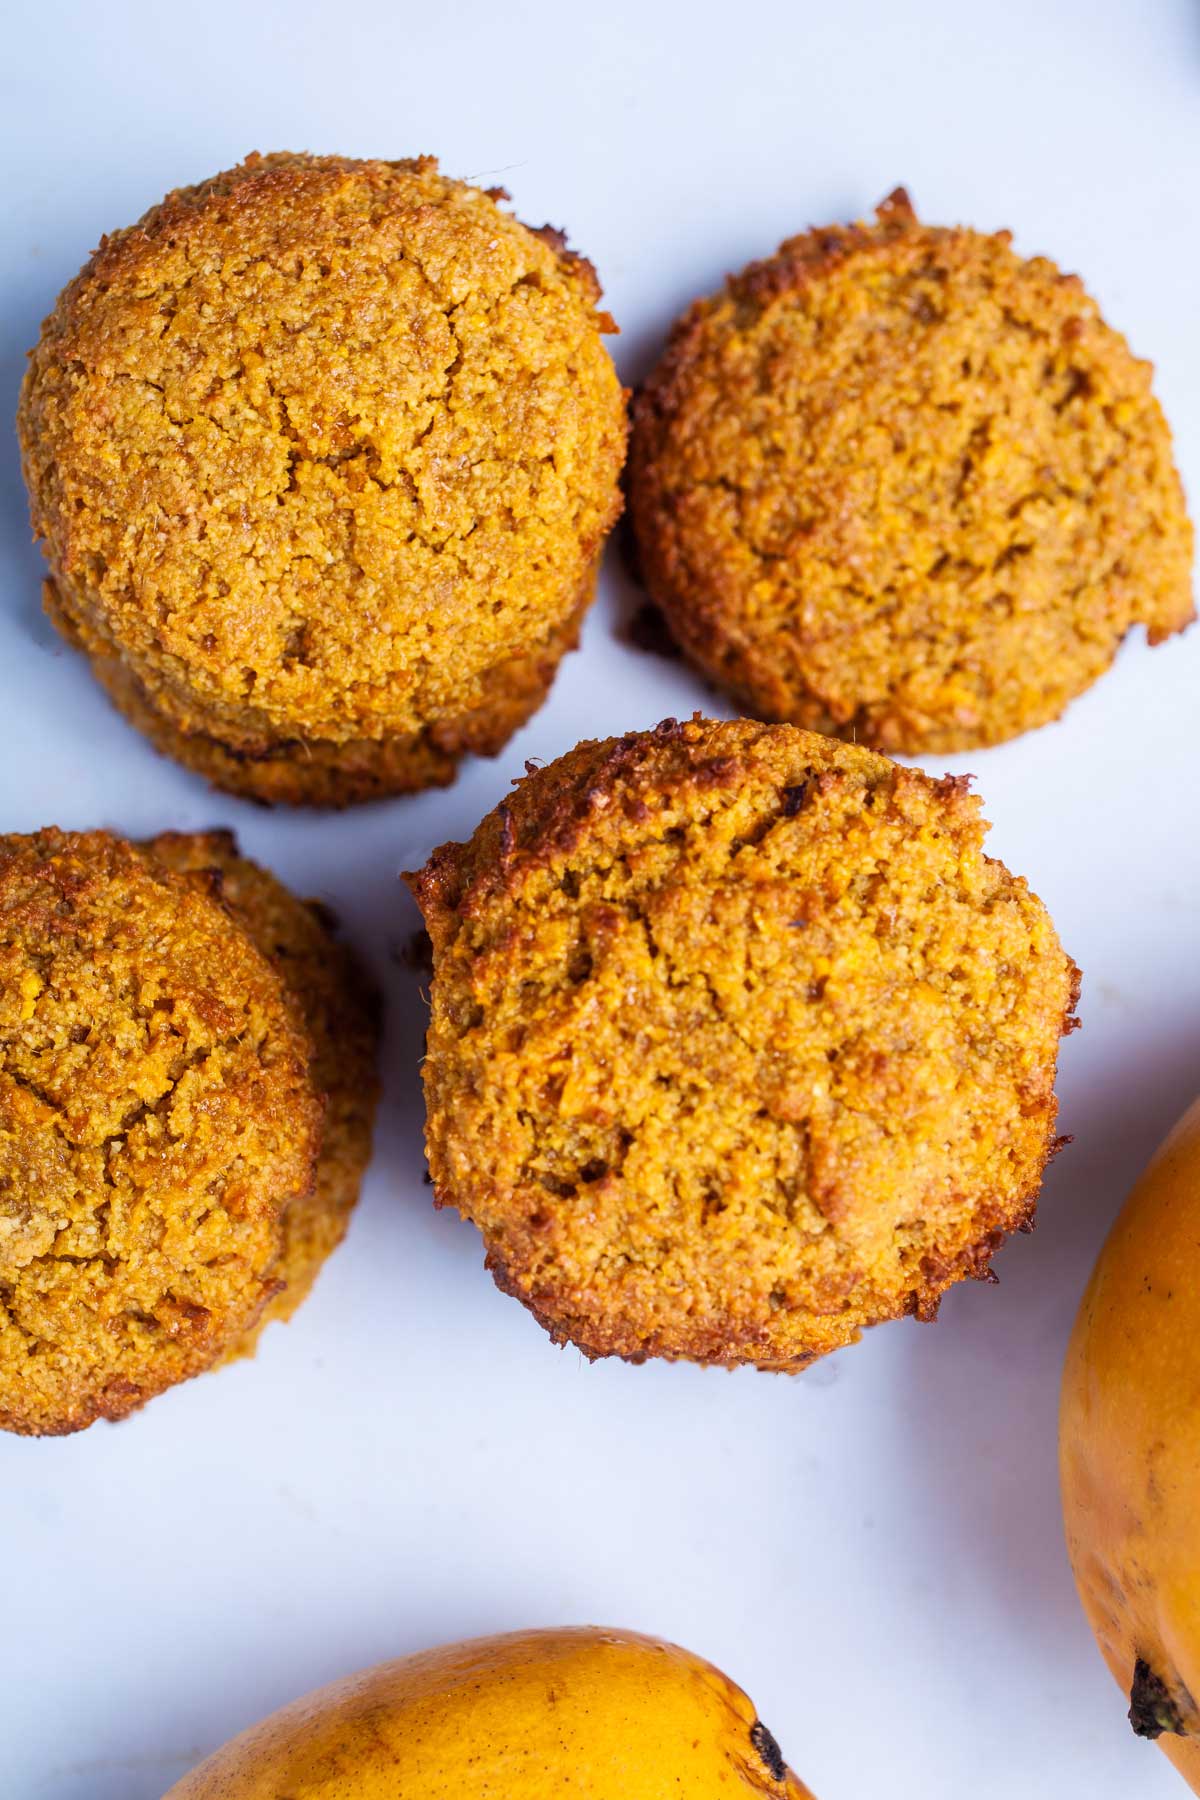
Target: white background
[{"x": 873, "y": 1549}]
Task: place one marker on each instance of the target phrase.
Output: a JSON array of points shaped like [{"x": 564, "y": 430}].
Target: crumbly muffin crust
[
  {"x": 187, "y": 1088},
  {"x": 898, "y": 484},
  {"x": 299, "y": 772},
  {"x": 340, "y": 1010},
  {"x": 157, "y": 1115},
  {"x": 739, "y": 1043},
  {"x": 322, "y": 454}
]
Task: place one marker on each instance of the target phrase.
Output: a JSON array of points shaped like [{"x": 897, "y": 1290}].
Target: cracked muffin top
[
  {"x": 739, "y": 1043},
  {"x": 319, "y": 442},
  {"x": 898, "y": 484},
  {"x": 156, "y": 1116}
]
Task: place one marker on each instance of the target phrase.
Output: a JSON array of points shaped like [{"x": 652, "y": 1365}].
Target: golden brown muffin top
[
  {"x": 900, "y": 484},
  {"x": 156, "y": 1116},
  {"x": 739, "y": 1042},
  {"x": 318, "y": 442}
]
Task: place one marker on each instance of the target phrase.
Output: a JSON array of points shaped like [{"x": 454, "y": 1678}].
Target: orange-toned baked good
[
  {"x": 900, "y": 484},
  {"x": 739, "y": 1042},
  {"x": 322, "y": 454}
]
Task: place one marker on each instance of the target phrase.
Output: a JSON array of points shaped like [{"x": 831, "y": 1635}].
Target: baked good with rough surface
[
  {"x": 168, "y": 1180},
  {"x": 898, "y": 484},
  {"x": 739, "y": 1043},
  {"x": 340, "y": 1010},
  {"x": 322, "y": 454}
]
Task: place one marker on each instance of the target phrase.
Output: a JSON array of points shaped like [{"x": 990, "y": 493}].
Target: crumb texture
[
  {"x": 322, "y": 454},
  {"x": 898, "y": 484},
  {"x": 739, "y": 1042},
  {"x": 168, "y": 1176},
  {"x": 340, "y": 1011}
]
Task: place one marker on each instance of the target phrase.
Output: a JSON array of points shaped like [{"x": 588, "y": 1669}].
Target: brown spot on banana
[
  {"x": 768, "y": 1750},
  {"x": 1154, "y": 1708}
]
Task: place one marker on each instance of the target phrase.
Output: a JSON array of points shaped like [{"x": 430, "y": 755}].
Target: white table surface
[{"x": 873, "y": 1549}]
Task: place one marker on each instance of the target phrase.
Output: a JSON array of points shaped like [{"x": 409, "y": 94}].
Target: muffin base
[{"x": 319, "y": 772}]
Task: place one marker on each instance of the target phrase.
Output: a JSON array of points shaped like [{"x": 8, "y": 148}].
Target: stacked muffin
[
  {"x": 322, "y": 454},
  {"x": 186, "y": 1091}
]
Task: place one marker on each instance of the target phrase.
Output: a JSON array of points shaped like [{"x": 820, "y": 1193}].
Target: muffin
[
  {"x": 739, "y": 1043},
  {"x": 167, "y": 1177},
  {"x": 903, "y": 486},
  {"x": 322, "y": 454}
]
